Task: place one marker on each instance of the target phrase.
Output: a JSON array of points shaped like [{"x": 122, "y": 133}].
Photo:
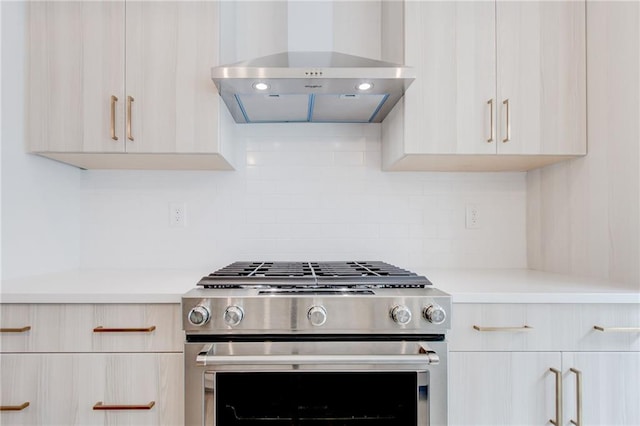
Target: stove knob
[
  {"x": 317, "y": 315},
  {"x": 199, "y": 315},
  {"x": 233, "y": 315},
  {"x": 401, "y": 315},
  {"x": 434, "y": 314}
]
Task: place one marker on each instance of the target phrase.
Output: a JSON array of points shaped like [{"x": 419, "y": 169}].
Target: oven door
[{"x": 400, "y": 383}]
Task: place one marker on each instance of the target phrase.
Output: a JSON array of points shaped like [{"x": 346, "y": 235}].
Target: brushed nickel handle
[
  {"x": 490, "y": 103},
  {"x": 508, "y": 127},
  {"x": 114, "y": 99},
  {"x": 523, "y": 328},
  {"x": 101, "y": 406},
  {"x": 558, "y": 420},
  {"x": 101, "y": 329},
  {"x": 14, "y": 407},
  {"x": 578, "y": 420},
  {"x": 129, "y": 117},
  {"x": 16, "y": 330},
  {"x": 617, "y": 329},
  {"x": 428, "y": 358}
]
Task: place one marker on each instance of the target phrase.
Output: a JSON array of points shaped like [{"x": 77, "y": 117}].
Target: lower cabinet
[
  {"x": 92, "y": 389},
  {"x": 502, "y": 388},
  {"x": 610, "y": 385},
  {"x": 506, "y": 361},
  {"x": 91, "y": 364}
]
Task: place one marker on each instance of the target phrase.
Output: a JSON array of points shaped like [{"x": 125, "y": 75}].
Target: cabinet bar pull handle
[
  {"x": 523, "y": 328},
  {"x": 617, "y": 329},
  {"x": 14, "y": 407},
  {"x": 100, "y": 406},
  {"x": 578, "y": 373},
  {"x": 558, "y": 420},
  {"x": 490, "y": 102},
  {"x": 129, "y": 118},
  {"x": 101, "y": 329},
  {"x": 16, "y": 330},
  {"x": 508, "y": 127},
  {"x": 114, "y": 99}
]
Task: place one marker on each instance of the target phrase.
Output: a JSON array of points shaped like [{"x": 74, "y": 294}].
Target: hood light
[
  {"x": 364, "y": 86},
  {"x": 260, "y": 86}
]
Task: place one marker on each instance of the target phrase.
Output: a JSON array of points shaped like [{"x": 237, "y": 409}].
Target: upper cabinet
[
  {"x": 500, "y": 85},
  {"x": 126, "y": 85}
]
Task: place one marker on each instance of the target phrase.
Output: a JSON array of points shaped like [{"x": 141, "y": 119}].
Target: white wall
[
  {"x": 40, "y": 198},
  {"x": 307, "y": 191},
  {"x": 584, "y": 215}
]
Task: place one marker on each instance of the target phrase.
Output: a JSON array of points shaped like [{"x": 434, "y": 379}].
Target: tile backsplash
[{"x": 303, "y": 191}]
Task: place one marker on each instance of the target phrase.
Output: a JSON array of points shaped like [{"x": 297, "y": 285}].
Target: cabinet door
[
  {"x": 75, "y": 65},
  {"x": 171, "y": 47},
  {"x": 610, "y": 387},
  {"x": 541, "y": 61},
  {"x": 62, "y": 389},
  {"x": 452, "y": 47},
  {"x": 502, "y": 388}
]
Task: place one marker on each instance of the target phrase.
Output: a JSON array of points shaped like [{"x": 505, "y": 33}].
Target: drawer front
[
  {"x": 545, "y": 327},
  {"x": 90, "y": 328},
  {"x": 63, "y": 389}
]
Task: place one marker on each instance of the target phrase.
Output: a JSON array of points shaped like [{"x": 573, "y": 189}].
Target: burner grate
[
  {"x": 303, "y": 269},
  {"x": 319, "y": 274}
]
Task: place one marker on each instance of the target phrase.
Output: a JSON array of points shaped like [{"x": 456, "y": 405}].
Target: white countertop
[
  {"x": 527, "y": 286},
  {"x": 168, "y": 285},
  {"x": 102, "y": 286}
]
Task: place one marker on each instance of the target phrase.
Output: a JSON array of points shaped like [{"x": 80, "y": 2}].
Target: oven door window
[{"x": 318, "y": 398}]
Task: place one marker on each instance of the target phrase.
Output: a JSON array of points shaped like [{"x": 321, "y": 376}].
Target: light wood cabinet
[
  {"x": 502, "y": 388},
  {"x": 91, "y": 328},
  {"x": 54, "y": 360},
  {"x": 610, "y": 385},
  {"x": 62, "y": 389},
  {"x": 502, "y": 355},
  {"x": 500, "y": 85},
  {"x": 125, "y": 85}
]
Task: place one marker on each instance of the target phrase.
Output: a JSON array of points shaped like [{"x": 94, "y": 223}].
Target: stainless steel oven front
[{"x": 316, "y": 380}]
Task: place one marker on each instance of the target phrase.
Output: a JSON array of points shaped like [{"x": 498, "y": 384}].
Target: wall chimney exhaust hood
[{"x": 318, "y": 87}]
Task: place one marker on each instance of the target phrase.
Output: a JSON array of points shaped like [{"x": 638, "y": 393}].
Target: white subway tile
[{"x": 304, "y": 192}]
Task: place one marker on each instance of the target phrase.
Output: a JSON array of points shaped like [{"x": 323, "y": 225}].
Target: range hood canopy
[{"x": 322, "y": 87}]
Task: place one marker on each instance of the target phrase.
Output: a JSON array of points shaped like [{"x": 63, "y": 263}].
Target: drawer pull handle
[
  {"x": 101, "y": 406},
  {"x": 14, "y": 407},
  {"x": 129, "y": 118},
  {"x": 101, "y": 329},
  {"x": 114, "y": 99},
  {"x": 578, "y": 420},
  {"x": 617, "y": 329},
  {"x": 558, "y": 420},
  {"x": 508, "y": 126},
  {"x": 16, "y": 330},
  {"x": 490, "y": 103},
  {"x": 523, "y": 328}
]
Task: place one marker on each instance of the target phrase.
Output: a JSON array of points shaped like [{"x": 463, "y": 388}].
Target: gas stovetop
[
  {"x": 356, "y": 297},
  {"x": 354, "y": 274}
]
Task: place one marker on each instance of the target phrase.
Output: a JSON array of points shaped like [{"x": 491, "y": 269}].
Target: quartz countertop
[
  {"x": 527, "y": 286},
  {"x": 102, "y": 286},
  {"x": 168, "y": 286}
]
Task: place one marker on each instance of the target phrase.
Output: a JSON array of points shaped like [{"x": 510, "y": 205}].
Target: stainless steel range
[{"x": 322, "y": 343}]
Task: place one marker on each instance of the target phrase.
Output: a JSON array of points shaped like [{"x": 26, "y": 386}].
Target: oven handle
[{"x": 425, "y": 357}]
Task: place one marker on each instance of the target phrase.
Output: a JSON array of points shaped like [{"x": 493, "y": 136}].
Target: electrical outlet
[
  {"x": 472, "y": 216},
  {"x": 177, "y": 215}
]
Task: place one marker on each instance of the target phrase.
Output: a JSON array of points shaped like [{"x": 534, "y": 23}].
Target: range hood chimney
[
  {"x": 309, "y": 81},
  {"x": 320, "y": 87}
]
